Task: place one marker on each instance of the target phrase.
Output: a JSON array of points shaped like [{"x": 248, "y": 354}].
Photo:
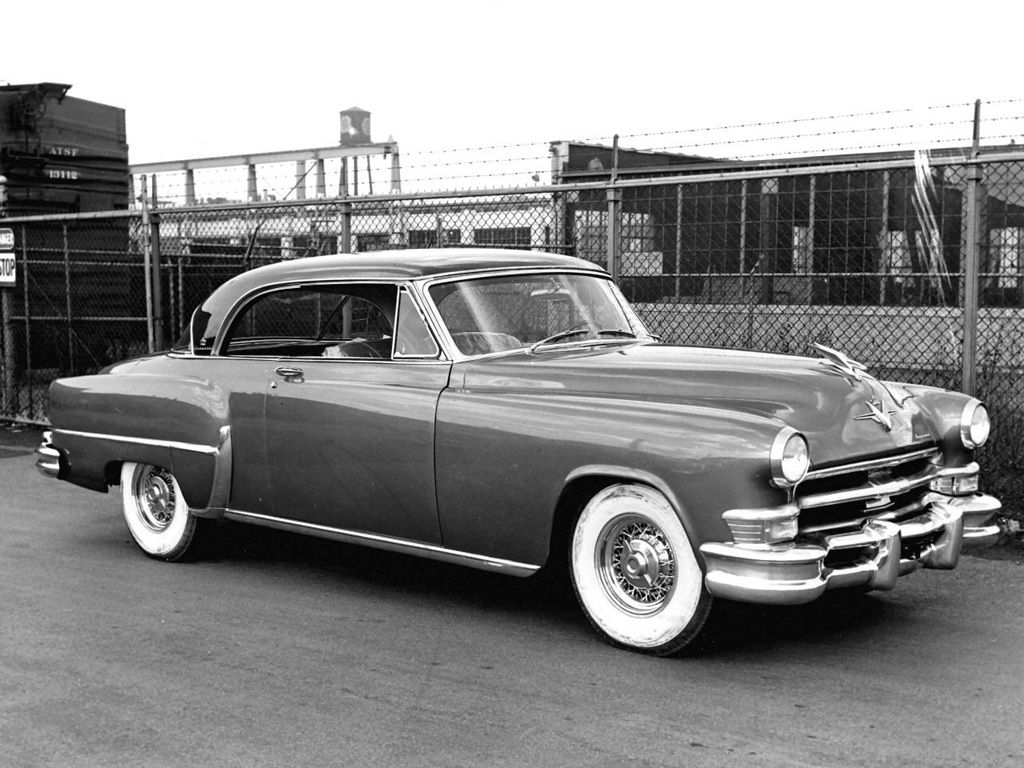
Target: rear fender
[{"x": 169, "y": 421}]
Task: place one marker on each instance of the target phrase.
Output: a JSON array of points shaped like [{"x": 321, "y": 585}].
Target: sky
[{"x": 212, "y": 78}]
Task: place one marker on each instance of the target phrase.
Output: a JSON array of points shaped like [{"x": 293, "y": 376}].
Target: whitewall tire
[
  {"x": 635, "y": 572},
  {"x": 156, "y": 512}
]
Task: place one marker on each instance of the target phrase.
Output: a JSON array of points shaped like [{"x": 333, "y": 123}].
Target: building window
[
  {"x": 803, "y": 251},
  {"x": 373, "y": 241},
  {"x": 503, "y": 237},
  {"x": 636, "y": 236},
  {"x": 896, "y": 256},
  {"x": 427, "y": 238},
  {"x": 592, "y": 235},
  {"x": 1005, "y": 249}
]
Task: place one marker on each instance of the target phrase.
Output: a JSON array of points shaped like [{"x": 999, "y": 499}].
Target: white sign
[
  {"x": 8, "y": 272},
  {"x": 6, "y": 239}
]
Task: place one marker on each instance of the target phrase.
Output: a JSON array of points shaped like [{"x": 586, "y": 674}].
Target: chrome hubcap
[
  {"x": 636, "y": 564},
  {"x": 154, "y": 490},
  {"x": 640, "y": 564}
]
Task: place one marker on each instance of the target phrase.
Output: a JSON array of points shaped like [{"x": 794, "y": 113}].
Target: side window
[
  {"x": 317, "y": 321},
  {"x": 413, "y": 339}
]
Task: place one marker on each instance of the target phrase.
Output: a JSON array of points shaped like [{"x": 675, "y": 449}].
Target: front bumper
[{"x": 871, "y": 558}]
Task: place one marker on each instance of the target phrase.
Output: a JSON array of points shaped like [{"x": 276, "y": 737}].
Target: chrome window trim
[
  {"x": 246, "y": 299},
  {"x": 381, "y": 541},
  {"x": 410, "y": 281},
  {"x": 493, "y": 271},
  {"x": 315, "y": 359},
  {"x": 211, "y": 450},
  {"x": 407, "y": 290},
  {"x": 864, "y": 466}
]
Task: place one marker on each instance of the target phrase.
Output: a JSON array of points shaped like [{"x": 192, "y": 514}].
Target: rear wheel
[
  {"x": 635, "y": 572},
  {"x": 156, "y": 512}
]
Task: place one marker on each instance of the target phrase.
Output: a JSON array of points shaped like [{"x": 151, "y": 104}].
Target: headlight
[
  {"x": 789, "y": 458},
  {"x": 974, "y": 424}
]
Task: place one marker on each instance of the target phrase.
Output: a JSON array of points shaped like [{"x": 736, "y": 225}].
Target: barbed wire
[
  {"x": 509, "y": 163},
  {"x": 729, "y": 126}
]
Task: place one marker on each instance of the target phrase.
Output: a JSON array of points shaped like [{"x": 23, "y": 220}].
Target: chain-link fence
[
  {"x": 78, "y": 305},
  {"x": 874, "y": 258}
]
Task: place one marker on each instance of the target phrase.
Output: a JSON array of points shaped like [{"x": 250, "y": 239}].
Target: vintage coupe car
[{"x": 481, "y": 406}]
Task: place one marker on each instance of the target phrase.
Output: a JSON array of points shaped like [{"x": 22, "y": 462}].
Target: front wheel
[
  {"x": 635, "y": 572},
  {"x": 156, "y": 512}
]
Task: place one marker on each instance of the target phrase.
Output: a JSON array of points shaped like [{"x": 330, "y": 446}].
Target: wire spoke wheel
[
  {"x": 155, "y": 495},
  {"x": 635, "y": 572},
  {"x": 155, "y": 511},
  {"x": 636, "y": 564}
]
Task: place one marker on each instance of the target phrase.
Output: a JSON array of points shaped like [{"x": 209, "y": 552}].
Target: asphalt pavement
[{"x": 278, "y": 650}]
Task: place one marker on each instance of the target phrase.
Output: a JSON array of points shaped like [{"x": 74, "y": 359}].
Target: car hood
[{"x": 830, "y": 409}]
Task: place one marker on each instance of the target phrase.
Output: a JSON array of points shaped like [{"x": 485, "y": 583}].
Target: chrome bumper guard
[
  {"x": 48, "y": 458},
  {"x": 872, "y": 558}
]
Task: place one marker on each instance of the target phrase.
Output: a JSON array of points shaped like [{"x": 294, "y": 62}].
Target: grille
[{"x": 843, "y": 497}]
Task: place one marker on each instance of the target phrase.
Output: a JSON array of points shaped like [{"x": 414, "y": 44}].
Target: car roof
[
  {"x": 398, "y": 265},
  {"x": 413, "y": 263}
]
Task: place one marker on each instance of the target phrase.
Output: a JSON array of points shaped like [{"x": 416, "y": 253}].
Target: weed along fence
[{"x": 913, "y": 265}]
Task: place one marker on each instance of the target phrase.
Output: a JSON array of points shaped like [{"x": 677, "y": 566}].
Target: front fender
[{"x": 504, "y": 459}]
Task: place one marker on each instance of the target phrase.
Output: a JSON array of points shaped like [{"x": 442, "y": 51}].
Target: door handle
[{"x": 287, "y": 372}]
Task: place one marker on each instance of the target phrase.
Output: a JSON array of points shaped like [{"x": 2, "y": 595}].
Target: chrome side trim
[
  {"x": 863, "y": 466},
  {"x": 390, "y": 543},
  {"x": 220, "y": 489},
  {"x": 194, "y": 447}
]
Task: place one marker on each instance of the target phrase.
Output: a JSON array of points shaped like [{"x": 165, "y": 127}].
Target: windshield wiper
[{"x": 577, "y": 330}]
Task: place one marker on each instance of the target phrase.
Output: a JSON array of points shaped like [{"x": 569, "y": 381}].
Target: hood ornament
[
  {"x": 837, "y": 362},
  {"x": 877, "y": 413}
]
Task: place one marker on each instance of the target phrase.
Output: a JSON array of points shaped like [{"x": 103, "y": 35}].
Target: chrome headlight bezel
[
  {"x": 975, "y": 424},
  {"x": 789, "y": 458}
]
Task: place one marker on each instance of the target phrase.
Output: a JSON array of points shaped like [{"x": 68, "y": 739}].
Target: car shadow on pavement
[
  {"x": 743, "y": 627},
  {"x": 734, "y": 628},
  {"x": 545, "y": 592}
]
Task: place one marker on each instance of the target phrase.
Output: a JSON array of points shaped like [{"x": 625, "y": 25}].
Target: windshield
[{"x": 497, "y": 314}]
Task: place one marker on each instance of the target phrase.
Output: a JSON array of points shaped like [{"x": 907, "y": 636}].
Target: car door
[{"x": 349, "y": 425}]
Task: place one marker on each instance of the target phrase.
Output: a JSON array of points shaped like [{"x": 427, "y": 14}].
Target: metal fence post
[
  {"x": 974, "y": 177},
  {"x": 28, "y": 315},
  {"x": 345, "y": 238},
  {"x": 679, "y": 239},
  {"x": 67, "y": 299},
  {"x": 144, "y": 237},
  {"x": 7, "y": 312},
  {"x": 157, "y": 281},
  {"x": 883, "y": 236},
  {"x": 614, "y": 231},
  {"x": 743, "y": 240}
]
